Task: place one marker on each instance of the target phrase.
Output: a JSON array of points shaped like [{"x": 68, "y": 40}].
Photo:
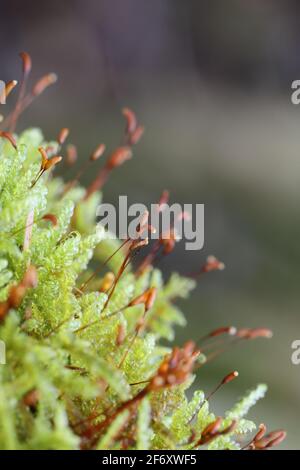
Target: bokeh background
[{"x": 211, "y": 81}]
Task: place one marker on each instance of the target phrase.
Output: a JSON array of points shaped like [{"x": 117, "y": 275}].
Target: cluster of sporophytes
[{"x": 85, "y": 365}]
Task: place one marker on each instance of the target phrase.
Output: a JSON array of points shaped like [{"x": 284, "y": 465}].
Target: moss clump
[{"x": 86, "y": 368}]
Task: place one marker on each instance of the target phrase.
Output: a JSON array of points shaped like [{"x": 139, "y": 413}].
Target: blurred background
[{"x": 211, "y": 81}]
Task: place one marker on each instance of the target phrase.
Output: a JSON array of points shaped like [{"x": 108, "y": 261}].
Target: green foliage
[
  {"x": 63, "y": 343},
  {"x": 243, "y": 406},
  {"x": 144, "y": 431}
]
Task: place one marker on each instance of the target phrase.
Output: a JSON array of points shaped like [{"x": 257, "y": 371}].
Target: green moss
[{"x": 61, "y": 381}]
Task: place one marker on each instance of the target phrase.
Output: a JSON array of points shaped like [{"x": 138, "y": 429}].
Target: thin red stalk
[{"x": 92, "y": 276}]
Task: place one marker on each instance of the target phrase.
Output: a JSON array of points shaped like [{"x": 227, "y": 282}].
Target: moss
[{"x": 84, "y": 368}]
